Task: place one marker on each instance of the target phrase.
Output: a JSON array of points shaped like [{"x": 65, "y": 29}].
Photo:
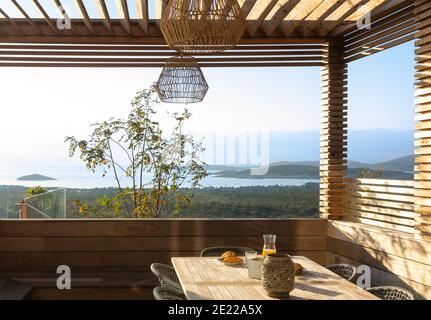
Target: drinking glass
[{"x": 250, "y": 255}]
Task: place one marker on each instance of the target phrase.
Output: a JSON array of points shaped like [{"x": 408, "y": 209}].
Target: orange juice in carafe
[
  {"x": 268, "y": 245},
  {"x": 268, "y": 251}
]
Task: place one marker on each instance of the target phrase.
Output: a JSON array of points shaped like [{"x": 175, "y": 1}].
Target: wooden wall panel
[
  {"x": 379, "y": 202},
  {"x": 394, "y": 257},
  {"x": 380, "y": 277},
  {"x": 333, "y": 132},
  {"x": 422, "y": 178},
  {"x": 111, "y": 258}
]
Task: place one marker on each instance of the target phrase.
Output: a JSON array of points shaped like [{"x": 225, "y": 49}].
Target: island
[
  {"x": 35, "y": 177},
  {"x": 297, "y": 171}
]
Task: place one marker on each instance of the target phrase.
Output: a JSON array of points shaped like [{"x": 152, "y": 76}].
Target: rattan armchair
[
  {"x": 163, "y": 293},
  {"x": 167, "y": 277},
  {"x": 346, "y": 271},
  {"x": 391, "y": 293},
  {"x": 218, "y": 251}
]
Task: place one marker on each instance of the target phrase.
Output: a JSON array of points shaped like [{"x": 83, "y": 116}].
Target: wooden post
[
  {"x": 422, "y": 178},
  {"x": 23, "y": 210},
  {"x": 333, "y": 132}
]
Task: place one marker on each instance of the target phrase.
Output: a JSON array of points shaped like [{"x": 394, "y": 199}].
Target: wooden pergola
[{"x": 279, "y": 33}]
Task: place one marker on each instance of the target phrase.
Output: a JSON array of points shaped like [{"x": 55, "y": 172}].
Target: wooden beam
[
  {"x": 142, "y": 14},
  {"x": 160, "y": 59},
  {"x": 377, "y": 40},
  {"x": 258, "y": 13},
  {"x": 98, "y": 47},
  {"x": 156, "y": 39},
  {"x": 104, "y": 14},
  {"x": 333, "y": 137},
  {"x": 64, "y": 52},
  {"x": 386, "y": 32},
  {"x": 388, "y": 6},
  {"x": 62, "y": 10},
  {"x": 277, "y": 14},
  {"x": 367, "y": 7},
  {"x": 422, "y": 178},
  {"x": 297, "y": 16},
  {"x": 381, "y": 23},
  {"x": 376, "y": 12},
  {"x": 123, "y": 11},
  {"x": 158, "y": 65},
  {"x": 45, "y": 16},
  {"x": 11, "y": 21},
  {"x": 27, "y": 17},
  {"x": 337, "y": 17},
  {"x": 84, "y": 14},
  {"x": 246, "y": 6},
  {"x": 160, "y": 6},
  {"x": 315, "y": 18}
]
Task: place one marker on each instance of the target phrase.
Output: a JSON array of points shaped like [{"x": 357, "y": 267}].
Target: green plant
[
  {"x": 33, "y": 191},
  {"x": 170, "y": 161},
  {"x": 370, "y": 174}
]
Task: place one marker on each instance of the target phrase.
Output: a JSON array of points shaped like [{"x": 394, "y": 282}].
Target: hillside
[
  {"x": 350, "y": 163},
  {"x": 275, "y": 171},
  {"x": 294, "y": 171},
  {"x": 399, "y": 164}
]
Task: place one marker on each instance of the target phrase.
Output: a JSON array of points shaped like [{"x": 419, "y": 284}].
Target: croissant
[
  {"x": 232, "y": 259},
  {"x": 298, "y": 268},
  {"x": 228, "y": 254}
]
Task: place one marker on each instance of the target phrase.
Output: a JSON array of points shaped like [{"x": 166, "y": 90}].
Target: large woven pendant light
[
  {"x": 181, "y": 81},
  {"x": 202, "y": 26}
]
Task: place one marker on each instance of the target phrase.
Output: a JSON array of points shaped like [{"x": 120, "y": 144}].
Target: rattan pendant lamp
[
  {"x": 202, "y": 26},
  {"x": 181, "y": 81}
]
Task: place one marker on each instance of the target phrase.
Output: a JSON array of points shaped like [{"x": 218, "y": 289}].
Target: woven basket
[
  {"x": 181, "y": 81},
  {"x": 192, "y": 26}
]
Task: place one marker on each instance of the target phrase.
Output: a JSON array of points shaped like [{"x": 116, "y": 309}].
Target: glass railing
[
  {"x": 48, "y": 205},
  {"x": 9, "y": 197},
  {"x": 16, "y": 204}
]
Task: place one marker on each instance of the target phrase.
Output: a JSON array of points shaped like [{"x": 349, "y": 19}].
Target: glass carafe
[{"x": 268, "y": 244}]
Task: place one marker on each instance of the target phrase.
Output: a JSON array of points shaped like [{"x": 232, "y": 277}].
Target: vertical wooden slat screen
[
  {"x": 422, "y": 184},
  {"x": 333, "y": 132}
]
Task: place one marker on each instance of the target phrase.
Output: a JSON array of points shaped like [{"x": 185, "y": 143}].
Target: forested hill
[{"x": 293, "y": 171}]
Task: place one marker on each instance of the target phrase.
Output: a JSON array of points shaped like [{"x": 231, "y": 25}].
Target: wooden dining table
[{"x": 206, "y": 278}]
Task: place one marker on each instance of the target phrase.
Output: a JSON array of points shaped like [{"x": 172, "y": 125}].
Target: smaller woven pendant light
[
  {"x": 181, "y": 81},
  {"x": 202, "y": 26}
]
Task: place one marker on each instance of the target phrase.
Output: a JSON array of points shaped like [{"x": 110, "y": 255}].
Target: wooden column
[
  {"x": 333, "y": 133},
  {"x": 422, "y": 179},
  {"x": 23, "y": 210}
]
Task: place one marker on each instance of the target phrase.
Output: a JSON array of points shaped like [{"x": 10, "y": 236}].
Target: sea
[{"x": 79, "y": 177}]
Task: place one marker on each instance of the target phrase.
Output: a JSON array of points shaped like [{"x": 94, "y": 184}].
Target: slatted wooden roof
[{"x": 278, "y": 32}]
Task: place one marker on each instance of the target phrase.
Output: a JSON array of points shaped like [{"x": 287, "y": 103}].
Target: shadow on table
[{"x": 312, "y": 289}]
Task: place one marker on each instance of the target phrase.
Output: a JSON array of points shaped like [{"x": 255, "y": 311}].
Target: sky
[
  {"x": 40, "y": 107},
  {"x": 71, "y": 8}
]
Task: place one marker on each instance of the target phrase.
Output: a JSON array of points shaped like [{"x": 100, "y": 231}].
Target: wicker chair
[
  {"x": 167, "y": 277},
  {"x": 346, "y": 271},
  {"x": 391, "y": 293},
  {"x": 218, "y": 251},
  {"x": 163, "y": 293}
]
